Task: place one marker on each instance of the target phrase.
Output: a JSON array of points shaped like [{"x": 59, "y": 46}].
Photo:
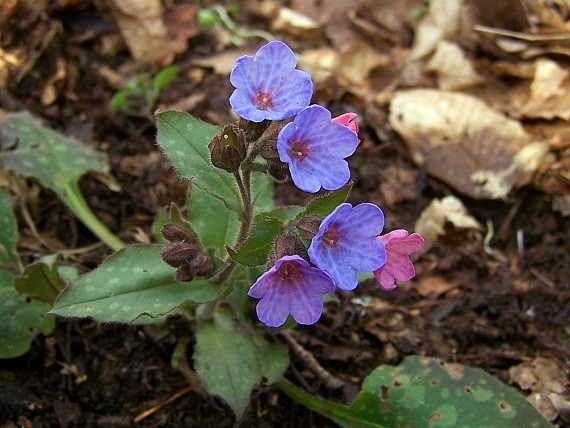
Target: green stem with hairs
[{"x": 74, "y": 200}]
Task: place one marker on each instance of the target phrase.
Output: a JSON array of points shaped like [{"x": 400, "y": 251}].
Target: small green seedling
[{"x": 139, "y": 95}]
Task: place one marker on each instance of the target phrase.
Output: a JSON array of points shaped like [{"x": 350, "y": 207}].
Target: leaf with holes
[
  {"x": 50, "y": 157},
  {"x": 21, "y": 319},
  {"x": 424, "y": 392},
  {"x": 45, "y": 279},
  {"x": 57, "y": 162},
  {"x": 9, "y": 237},
  {"x": 131, "y": 283}
]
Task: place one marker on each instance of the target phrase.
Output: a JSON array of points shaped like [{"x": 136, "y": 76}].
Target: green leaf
[
  {"x": 9, "y": 236},
  {"x": 231, "y": 362},
  {"x": 46, "y": 155},
  {"x": 256, "y": 247},
  {"x": 323, "y": 205},
  {"x": 215, "y": 225},
  {"x": 241, "y": 278},
  {"x": 164, "y": 77},
  {"x": 57, "y": 162},
  {"x": 282, "y": 213},
  {"x": 261, "y": 192},
  {"x": 424, "y": 392},
  {"x": 160, "y": 220},
  {"x": 184, "y": 139},
  {"x": 118, "y": 102},
  {"x": 21, "y": 319},
  {"x": 129, "y": 284},
  {"x": 274, "y": 359},
  {"x": 41, "y": 280}
]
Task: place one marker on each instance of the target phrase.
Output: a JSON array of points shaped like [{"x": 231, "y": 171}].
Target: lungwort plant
[{"x": 245, "y": 273}]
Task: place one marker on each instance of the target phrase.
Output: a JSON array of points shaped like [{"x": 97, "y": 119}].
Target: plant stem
[
  {"x": 72, "y": 197},
  {"x": 244, "y": 186},
  {"x": 337, "y": 412}
]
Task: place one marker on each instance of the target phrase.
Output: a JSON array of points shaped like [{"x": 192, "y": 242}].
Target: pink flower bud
[{"x": 348, "y": 120}]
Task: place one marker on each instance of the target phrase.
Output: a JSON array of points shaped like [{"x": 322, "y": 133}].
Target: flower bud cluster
[{"x": 183, "y": 252}]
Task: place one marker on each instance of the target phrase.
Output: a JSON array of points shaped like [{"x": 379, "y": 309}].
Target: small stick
[
  {"x": 522, "y": 36},
  {"x": 162, "y": 404},
  {"x": 311, "y": 362}
]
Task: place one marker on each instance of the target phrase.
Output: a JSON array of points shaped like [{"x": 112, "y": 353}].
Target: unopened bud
[
  {"x": 228, "y": 148},
  {"x": 185, "y": 273},
  {"x": 284, "y": 246},
  {"x": 175, "y": 233},
  {"x": 268, "y": 150},
  {"x": 253, "y": 130},
  {"x": 178, "y": 253},
  {"x": 308, "y": 226},
  {"x": 278, "y": 170},
  {"x": 201, "y": 264}
]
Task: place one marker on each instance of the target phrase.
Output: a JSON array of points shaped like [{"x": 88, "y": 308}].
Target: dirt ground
[{"x": 480, "y": 299}]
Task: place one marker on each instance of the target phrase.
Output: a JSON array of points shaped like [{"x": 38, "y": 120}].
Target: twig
[
  {"x": 162, "y": 404},
  {"x": 521, "y": 36},
  {"x": 311, "y": 362}
]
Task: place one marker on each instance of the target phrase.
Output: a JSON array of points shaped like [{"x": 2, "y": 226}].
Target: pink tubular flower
[
  {"x": 348, "y": 120},
  {"x": 399, "y": 245}
]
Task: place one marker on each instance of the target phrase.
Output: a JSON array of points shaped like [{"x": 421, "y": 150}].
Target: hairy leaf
[
  {"x": 184, "y": 139},
  {"x": 424, "y": 392},
  {"x": 21, "y": 319},
  {"x": 9, "y": 236},
  {"x": 129, "y": 284},
  {"x": 230, "y": 362}
]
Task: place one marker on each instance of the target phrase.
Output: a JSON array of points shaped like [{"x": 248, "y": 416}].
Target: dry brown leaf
[
  {"x": 49, "y": 91},
  {"x": 553, "y": 14},
  {"x": 141, "y": 25},
  {"x": 331, "y": 15},
  {"x": 321, "y": 64},
  {"x": 445, "y": 20},
  {"x": 296, "y": 24},
  {"x": 432, "y": 220},
  {"x": 398, "y": 184},
  {"x": 454, "y": 70},
  {"x": 356, "y": 61},
  {"x": 547, "y": 378},
  {"x": 464, "y": 142},
  {"x": 433, "y": 285},
  {"x": 543, "y": 94},
  {"x": 223, "y": 62}
]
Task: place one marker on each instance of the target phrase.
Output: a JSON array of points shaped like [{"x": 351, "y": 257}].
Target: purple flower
[
  {"x": 399, "y": 245},
  {"x": 268, "y": 86},
  {"x": 293, "y": 287},
  {"x": 315, "y": 148},
  {"x": 347, "y": 243}
]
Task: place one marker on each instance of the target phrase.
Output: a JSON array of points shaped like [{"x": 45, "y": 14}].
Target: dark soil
[{"x": 488, "y": 310}]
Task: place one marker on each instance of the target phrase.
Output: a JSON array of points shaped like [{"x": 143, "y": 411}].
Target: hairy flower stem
[
  {"x": 311, "y": 362},
  {"x": 244, "y": 186}
]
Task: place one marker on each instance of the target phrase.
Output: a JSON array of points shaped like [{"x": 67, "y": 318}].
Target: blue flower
[
  {"x": 293, "y": 287},
  {"x": 268, "y": 86},
  {"x": 315, "y": 148},
  {"x": 346, "y": 243}
]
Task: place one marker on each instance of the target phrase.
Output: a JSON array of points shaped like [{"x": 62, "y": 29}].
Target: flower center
[
  {"x": 263, "y": 100},
  {"x": 287, "y": 271},
  {"x": 330, "y": 237},
  {"x": 299, "y": 150}
]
